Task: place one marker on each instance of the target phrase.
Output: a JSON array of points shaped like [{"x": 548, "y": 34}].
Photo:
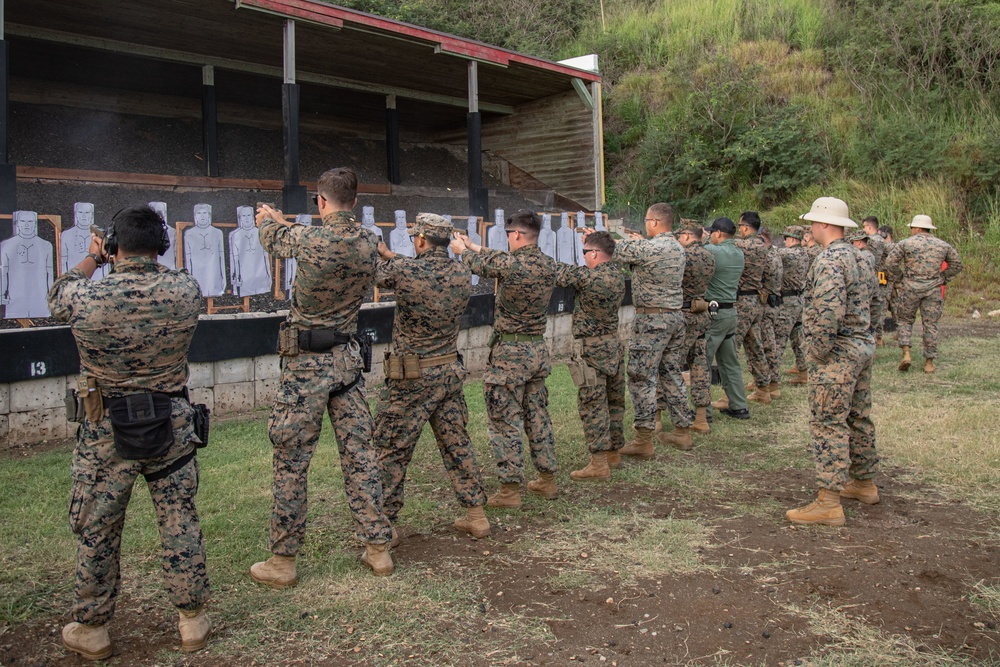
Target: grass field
[{"x": 938, "y": 431}]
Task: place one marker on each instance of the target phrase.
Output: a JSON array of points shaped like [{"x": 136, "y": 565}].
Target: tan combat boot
[
  {"x": 775, "y": 390},
  {"x": 680, "y": 438},
  {"x": 929, "y": 365},
  {"x": 904, "y": 365},
  {"x": 700, "y": 423},
  {"x": 475, "y": 523},
  {"x": 721, "y": 403},
  {"x": 195, "y": 627},
  {"x": 90, "y": 641},
  {"x": 509, "y": 495},
  {"x": 801, "y": 377},
  {"x": 276, "y": 572},
  {"x": 863, "y": 490},
  {"x": 544, "y": 486},
  {"x": 824, "y": 511},
  {"x": 597, "y": 469},
  {"x": 760, "y": 395},
  {"x": 659, "y": 421},
  {"x": 642, "y": 446},
  {"x": 396, "y": 539},
  {"x": 376, "y": 557},
  {"x": 614, "y": 459}
]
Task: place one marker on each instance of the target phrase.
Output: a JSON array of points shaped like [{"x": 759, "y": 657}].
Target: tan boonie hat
[
  {"x": 432, "y": 226},
  {"x": 793, "y": 231},
  {"x": 831, "y": 211},
  {"x": 922, "y": 222},
  {"x": 856, "y": 235}
]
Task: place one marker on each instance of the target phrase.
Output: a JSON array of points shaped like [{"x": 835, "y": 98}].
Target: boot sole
[
  {"x": 508, "y": 506},
  {"x": 191, "y": 648},
  {"x": 478, "y": 535},
  {"x": 707, "y": 429},
  {"x": 590, "y": 478},
  {"x": 641, "y": 457},
  {"x": 905, "y": 367},
  {"x": 876, "y": 501},
  {"x": 274, "y": 583},
  {"x": 378, "y": 573},
  {"x": 101, "y": 655},
  {"x": 547, "y": 496},
  {"x": 835, "y": 523}
]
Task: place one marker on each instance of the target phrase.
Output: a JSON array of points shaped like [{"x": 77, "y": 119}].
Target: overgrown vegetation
[{"x": 718, "y": 106}]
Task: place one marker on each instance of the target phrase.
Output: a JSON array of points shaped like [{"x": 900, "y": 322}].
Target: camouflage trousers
[
  {"x": 750, "y": 312},
  {"x": 767, "y": 323},
  {"x": 840, "y": 425},
  {"x": 796, "y": 339},
  {"x": 102, "y": 488},
  {"x": 312, "y": 384},
  {"x": 654, "y": 364},
  {"x": 789, "y": 313},
  {"x": 930, "y": 306},
  {"x": 880, "y": 307},
  {"x": 516, "y": 400},
  {"x": 598, "y": 371},
  {"x": 404, "y": 406},
  {"x": 693, "y": 352}
]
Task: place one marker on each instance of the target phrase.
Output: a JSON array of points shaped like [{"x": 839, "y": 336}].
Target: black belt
[
  {"x": 791, "y": 292},
  {"x": 321, "y": 340},
  {"x": 748, "y": 292},
  {"x": 724, "y": 306},
  {"x": 685, "y": 305},
  {"x": 183, "y": 393}
]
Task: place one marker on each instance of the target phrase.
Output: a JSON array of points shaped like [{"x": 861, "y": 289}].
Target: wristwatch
[{"x": 97, "y": 260}]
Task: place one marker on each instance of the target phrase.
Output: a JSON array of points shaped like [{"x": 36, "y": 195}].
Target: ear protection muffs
[{"x": 111, "y": 238}]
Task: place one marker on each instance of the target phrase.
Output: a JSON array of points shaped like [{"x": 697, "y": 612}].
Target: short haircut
[
  {"x": 339, "y": 185},
  {"x": 435, "y": 242},
  {"x": 724, "y": 226},
  {"x": 527, "y": 222},
  {"x": 694, "y": 229},
  {"x": 751, "y": 218},
  {"x": 602, "y": 241},
  {"x": 139, "y": 230},
  {"x": 872, "y": 219},
  {"x": 765, "y": 232},
  {"x": 886, "y": 230},
  {"x": 663, "y": 211}
]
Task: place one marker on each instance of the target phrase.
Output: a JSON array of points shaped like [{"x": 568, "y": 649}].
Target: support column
[
  {"x": 8, "y": 172},
  {"x": 393, "y": 167},
  {"x": 293, "y": 194},
  {"x": 209, "y": 121},
  {"x": 478, "y": 195}
]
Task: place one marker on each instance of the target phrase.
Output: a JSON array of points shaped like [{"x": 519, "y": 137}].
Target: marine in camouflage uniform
[
  {"x": 514, "y": 383},
  {"x": 699, "y": 267},
  {"x": 597, "y": 367},
  {"x": 866, "y": 268},
  {"x": 794, "y": 269},
  {"x": 771, "y": 291},
  {"x": 840, "y": 350},
  {"x": 813, "y": 250},
  {"x": 749, "y": 309},
  {"x": 432, "y": 291},
  {"x": 877, "y": 246},
  {"x": 335, "y": 265},
  {"x": 133, "y": 330},
  {"x": 914, "y": 265},
  {"x": 657, "y": 340}
]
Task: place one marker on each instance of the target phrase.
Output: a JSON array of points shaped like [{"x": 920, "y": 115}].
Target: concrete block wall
[{"x": 34, "y": 411}]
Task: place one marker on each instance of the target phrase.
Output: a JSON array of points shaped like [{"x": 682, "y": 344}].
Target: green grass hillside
[{"x": 720, "y": 106}]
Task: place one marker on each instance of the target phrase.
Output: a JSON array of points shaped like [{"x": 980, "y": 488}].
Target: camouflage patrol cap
[
  {"x": 859, "y": 234},
  {"x": 793, "y": 231},
  {"x": 433, "y": 226}
]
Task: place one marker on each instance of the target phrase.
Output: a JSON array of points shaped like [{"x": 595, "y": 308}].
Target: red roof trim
[{"x": 336, "y": 16}]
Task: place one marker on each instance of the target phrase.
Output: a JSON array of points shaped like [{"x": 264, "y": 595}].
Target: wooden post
[
  {"x": 393, "y": 167},
  {"x": 209, "y": 121},
  {"x": 293, "y": 194},
  {"x": 478, "y": 196},
  {"x": 8, "y": 172}
]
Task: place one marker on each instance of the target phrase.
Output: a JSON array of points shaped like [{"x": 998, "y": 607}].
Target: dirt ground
[{"x": 904, "y": 566}]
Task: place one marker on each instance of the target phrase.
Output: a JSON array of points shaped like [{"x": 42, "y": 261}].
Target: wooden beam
[
  {"x": 165, "y": 180},
  {"x": 172, "y": 55}
]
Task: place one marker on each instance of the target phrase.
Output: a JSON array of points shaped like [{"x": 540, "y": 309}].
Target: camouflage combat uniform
[
  {"x": 877, "y": 247},
  {"x": 657, "y": 341},
  {"x": 840, "y": 350},
  {"x": 335, "y": 263},
  {"x": 514, "y": 384},
  {"x": 597, "y": 367},
  {"x": 133, "y": 330},
  {"x": 749, "y": 309},
  {"x": 866, "y": 272},
  {"x": 432, "y": 291},
  {"x": 794, "y": 269},
  {"x": 812, "y": 252},
  {"x": 771, "y": 285},
  {"x": 699, "y": 266},
  {"x": 915, "y": 266}
]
